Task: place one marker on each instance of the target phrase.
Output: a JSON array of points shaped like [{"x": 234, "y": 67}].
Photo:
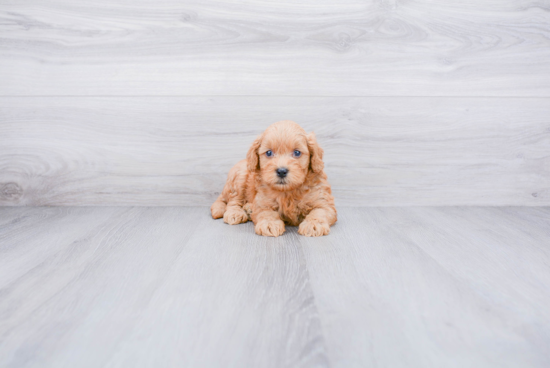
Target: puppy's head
[{"x": 284, "y": 155}]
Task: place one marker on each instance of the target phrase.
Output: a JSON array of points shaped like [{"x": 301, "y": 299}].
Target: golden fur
[{"x": 253, "y": 190}]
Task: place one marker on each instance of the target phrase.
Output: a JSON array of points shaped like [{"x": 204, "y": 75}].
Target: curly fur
[{"x": 253, "y": 190}]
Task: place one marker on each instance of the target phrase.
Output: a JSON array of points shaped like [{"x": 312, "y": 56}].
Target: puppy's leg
[
  {"x": 318, "y": 222},
  {"x": 234, "y": 213},
  {"x": 268, "y": 223},
  {"x": 218, "y": 207},
  {"x": 229, "y": 204}
]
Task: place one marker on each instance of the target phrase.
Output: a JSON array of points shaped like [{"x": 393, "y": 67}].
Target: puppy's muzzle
[{"x": 281, "y": 172}]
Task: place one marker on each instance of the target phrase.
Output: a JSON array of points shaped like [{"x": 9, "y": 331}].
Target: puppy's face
[{"x": 284, "y": 155}]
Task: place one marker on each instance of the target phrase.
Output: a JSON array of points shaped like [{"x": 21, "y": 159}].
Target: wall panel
[{"x": 178, "y": 150}]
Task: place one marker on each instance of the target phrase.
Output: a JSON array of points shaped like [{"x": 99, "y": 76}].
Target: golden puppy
[{"x": 281, "y": 181}]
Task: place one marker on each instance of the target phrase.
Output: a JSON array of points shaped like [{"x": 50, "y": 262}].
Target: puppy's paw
[
  {"x": 313, "y": 228},
  {"x": 234, "y": 216},
  {"x": 270, "y": 228},
  {"x": 217, "y": 209}
]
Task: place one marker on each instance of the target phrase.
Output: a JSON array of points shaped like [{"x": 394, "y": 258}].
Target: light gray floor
[{"x": 390, "y": 287}]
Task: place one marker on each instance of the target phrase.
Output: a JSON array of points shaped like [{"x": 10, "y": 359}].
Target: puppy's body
[{"x": 281, "y": 181}]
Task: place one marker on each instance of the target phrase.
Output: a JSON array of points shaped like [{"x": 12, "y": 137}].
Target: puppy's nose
[{"x": 281, "y": 172}]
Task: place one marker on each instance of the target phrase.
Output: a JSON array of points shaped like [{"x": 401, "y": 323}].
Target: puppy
[{"x": 281, "y": 182}]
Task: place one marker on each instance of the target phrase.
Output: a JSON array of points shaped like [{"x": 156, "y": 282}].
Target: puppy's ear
[
  {"x": 252, "y": 158},
  {"x": 315, "y": 154}
]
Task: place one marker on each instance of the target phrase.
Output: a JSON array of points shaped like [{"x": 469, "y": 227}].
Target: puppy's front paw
[
  {"x": 270, "y": 228},
  {"x": 235, "y": 216},
  {"x": 313, "y": 228}
]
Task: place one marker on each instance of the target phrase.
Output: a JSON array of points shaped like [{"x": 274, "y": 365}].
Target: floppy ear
[
  {"x": 252, "y": 158},
  {"x": 315, "y": 154}
]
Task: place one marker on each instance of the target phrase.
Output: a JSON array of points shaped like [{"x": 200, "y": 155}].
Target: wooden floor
[{"x": 159, "y": 287}]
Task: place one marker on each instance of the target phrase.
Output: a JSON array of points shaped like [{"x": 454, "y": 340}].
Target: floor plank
[
  {"x": 169, "y": 286},
  {"x": 172, "y": 151},
  {"x": 150, "y": 288},
  {"x": 103, "y": 271},
  {"x": 347, "y": 48},
  {"x": 432, "y": 287},
  {"x": 24, "y": 248},
  {"x": 231, "y": 292}
]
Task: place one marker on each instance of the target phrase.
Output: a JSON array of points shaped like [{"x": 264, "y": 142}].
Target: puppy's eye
[
  {"x": 269, "y": 153},
  {"x": 297, "y": 153}
]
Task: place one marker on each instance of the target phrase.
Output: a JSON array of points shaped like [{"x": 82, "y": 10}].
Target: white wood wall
[{"x": 150, "y": 102}]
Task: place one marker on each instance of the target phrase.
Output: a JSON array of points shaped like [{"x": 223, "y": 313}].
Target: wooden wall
[{"x": 150, "y": 102}]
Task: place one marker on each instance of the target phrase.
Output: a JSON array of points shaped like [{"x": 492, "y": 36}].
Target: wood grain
[
  {"x": 434, "y": 287},
  {"x": 177, "y": 150},
  {"x": 152, "y": 287},
  {"x": 345, "y": 48},
  {"x": 389, "y": 287}
]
